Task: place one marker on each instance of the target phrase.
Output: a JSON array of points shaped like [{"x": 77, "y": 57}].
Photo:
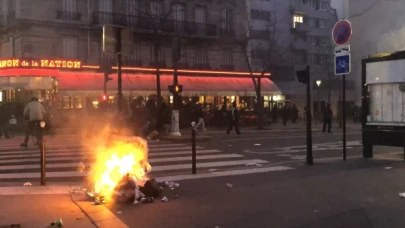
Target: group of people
[{"x": 287, "y": 113}]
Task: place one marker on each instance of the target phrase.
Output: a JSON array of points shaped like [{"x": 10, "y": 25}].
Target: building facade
[
  {"x": 300, "y": 35},
  {"x": 72, "y": 30}
]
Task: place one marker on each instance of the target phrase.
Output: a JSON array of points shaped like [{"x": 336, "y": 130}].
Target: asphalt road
[{"x": 357, "y": 193}]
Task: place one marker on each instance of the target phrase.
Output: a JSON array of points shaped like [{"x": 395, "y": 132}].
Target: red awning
[
  {"x": 195, "y": 86},
  {"x": 29, "y": 72}
]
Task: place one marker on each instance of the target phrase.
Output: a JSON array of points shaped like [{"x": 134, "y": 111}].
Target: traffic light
[
  {"x": 104, "y": 97},
  {"x": 106, "y": 78},
  {"x": 175, "y": 88},
  {"x": 303, "y": 75}
]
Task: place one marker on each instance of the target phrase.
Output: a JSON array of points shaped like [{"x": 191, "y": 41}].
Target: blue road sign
[{"x": 342, "y": 64}]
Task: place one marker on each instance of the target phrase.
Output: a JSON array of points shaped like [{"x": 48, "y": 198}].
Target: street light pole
[{"x": 175, "y": 125}]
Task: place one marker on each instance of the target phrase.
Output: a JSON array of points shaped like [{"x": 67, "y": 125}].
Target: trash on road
[
  {"x": 58, "y": 223},
  {"x": 258, "y": 144},
  {"x": 27, "y": 184},
  {"x": 119, "y": 212},
  {"x": 79, "y": 218},
  {"x": 388, "y": 167},
  {"x": 402, "y": 195},
  {"x": 165, "y": 199},
  {"x": 253, "y": 164},
  {"x": 229, "y": 185},
  {"x": 315, "y": 211},
  {"x": 147, "y": 200}
]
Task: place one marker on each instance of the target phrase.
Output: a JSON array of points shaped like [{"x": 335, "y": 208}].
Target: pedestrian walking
[
  {"x": 34, "y": 112},
  {"x": 4, "y": 120},
  {"x": 286, "y": 114},
  {"x": 327, "y": 118},
  {"x": 200, "y": 116},
  {"x": 233, "y": 119},
  {"x": 294, "y": 113}
]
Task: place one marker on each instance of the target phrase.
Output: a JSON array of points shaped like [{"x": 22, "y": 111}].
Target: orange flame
[{"x": 118, "y": 159}]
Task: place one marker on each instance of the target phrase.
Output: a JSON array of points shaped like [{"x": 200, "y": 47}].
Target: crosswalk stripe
[
  {"x": 84, "y": 153},
  {"x": 60, "y": 159},
  {"x": 76, "y": 165},
  {"x": 155, "y": 168},
  {"x": 36, "y": 150}
]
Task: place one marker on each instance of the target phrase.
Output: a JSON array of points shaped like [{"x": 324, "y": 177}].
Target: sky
[{"x": 338, "y": 5}]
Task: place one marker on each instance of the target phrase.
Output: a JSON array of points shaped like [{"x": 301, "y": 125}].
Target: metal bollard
[
  {"x": 42, "y": 150},
  {"x": 193, "y": 148}
]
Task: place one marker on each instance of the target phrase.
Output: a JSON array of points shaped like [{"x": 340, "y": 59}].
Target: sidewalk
[{"x": 40, "y": 211}]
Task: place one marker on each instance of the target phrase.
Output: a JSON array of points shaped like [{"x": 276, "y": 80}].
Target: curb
[
  {"x": 100, "y": 215},
  {"x": 185, "y": 139}
]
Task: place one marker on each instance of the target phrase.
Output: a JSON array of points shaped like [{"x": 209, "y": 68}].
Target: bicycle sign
[{"x": 342, "y": 64}]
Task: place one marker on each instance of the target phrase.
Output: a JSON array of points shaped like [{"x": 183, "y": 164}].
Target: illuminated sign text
[{"x": 41, "y": 63}]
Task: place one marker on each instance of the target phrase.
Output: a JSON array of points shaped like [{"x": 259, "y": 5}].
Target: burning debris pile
[{"x": 122, "y": 173}]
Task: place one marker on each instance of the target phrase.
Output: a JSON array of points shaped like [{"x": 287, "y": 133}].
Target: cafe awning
[{"x": 136, "y": 84}]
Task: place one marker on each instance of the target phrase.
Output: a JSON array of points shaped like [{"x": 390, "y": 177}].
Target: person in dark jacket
[
  {"x": 294, "y": 113},
  {"x": 4, "y": 120},
  {"x": 233, "y": 119},
  {"x": 200, "y": 116},
  {"x": 327, "y": 118}
]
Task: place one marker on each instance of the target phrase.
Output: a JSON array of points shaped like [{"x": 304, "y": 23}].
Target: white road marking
[{"x": 154, "y": 168}]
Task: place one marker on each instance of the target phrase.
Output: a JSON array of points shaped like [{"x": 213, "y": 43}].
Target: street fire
[{"x": 118, "y": 159}]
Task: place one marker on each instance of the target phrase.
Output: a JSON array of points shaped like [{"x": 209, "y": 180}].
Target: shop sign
[{"x": 40, "y": 63}]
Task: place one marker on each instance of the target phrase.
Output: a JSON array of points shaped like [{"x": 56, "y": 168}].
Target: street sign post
[{"x": 341, "y": 35}]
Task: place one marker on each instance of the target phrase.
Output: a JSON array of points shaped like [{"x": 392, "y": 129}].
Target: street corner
[{"x": 41, "y": 211}]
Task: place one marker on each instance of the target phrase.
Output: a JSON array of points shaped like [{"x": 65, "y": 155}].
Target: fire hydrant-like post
[
  {"x": 42, "y": 150},
  {"x": 193, "y": 148}
]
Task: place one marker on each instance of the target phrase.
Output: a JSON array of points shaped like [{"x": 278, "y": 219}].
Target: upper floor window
[
  {"x": 69, "y": 44},
  {"x": 260, "y": 15},
  {"x": 105, "y": 5},
  {"x": 201, "y": 55},
  {"x": 227, "y": 56},
  {"x": 322, "y": 23},
  {"x": 312, "y": 22},
  {"x": 297, "y": 19},
  {"x": 324, "y": 41},
  {"x": 131, "y": 7},
  {"x": 323, "y": 59},
  {"x": 226, "y": 19},
  {"x": 311, "y": 58},
  {"x": 312, "y": 4},
  {"x": 156, "y": 8},
  {"x": 200, "y": 14},
  {"x": 312, "y": 40},
  {"x": 69, "y": 5},
  {"x": 178, "y": 12},
  {"x": 323, "y": 5}
]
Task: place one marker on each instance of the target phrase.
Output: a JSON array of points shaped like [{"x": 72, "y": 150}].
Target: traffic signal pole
[
  {"x": 310, "y": 159},
  {"x": 304, "y": 77}
]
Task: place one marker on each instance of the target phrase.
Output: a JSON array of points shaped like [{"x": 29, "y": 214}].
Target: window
[
  {"x": 312, "y": 22},
  {"x": 136, "y": 49},
  {"x": 298, "y": 58},
  {"x": 311, "y": 58},
  {"x": 131, "y": 7},
  {"x": 323, "y": 5},
  {"x": 259, "y": 53},
  {"x": 227, "y": 57},
  {"x": 312, "y": 4},
  {"x": 69, "y": 44},
  {"x": 156, "y": 8},
  {"x": 69, "y": 5},
  {"x": 226, "y": 19},
  {"x": 297, "y": 19},
  {"x": 105, "y": 5},
  {"x": 322, "y": 23},
  {"x": 161, "y": 53},
  {"x": 324, "y": 41},
  {"x": 260, "y": 15},
  {"x": 323, "y": 59},
  {"x": 201, "y": 56},
  {"x": 178, "y": 12},
  {"x": 200, "y": 19},
  {"x": 312, "y": 40}
]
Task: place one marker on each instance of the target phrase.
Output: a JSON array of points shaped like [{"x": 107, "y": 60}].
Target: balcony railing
[
  {"x": 150, "y": 24},
  {"x": 69, "y": 16},
  {"x": 227, "y": 67},
  {"x": 226, "y": 32},
  {"x": 111, "y": 60}
]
